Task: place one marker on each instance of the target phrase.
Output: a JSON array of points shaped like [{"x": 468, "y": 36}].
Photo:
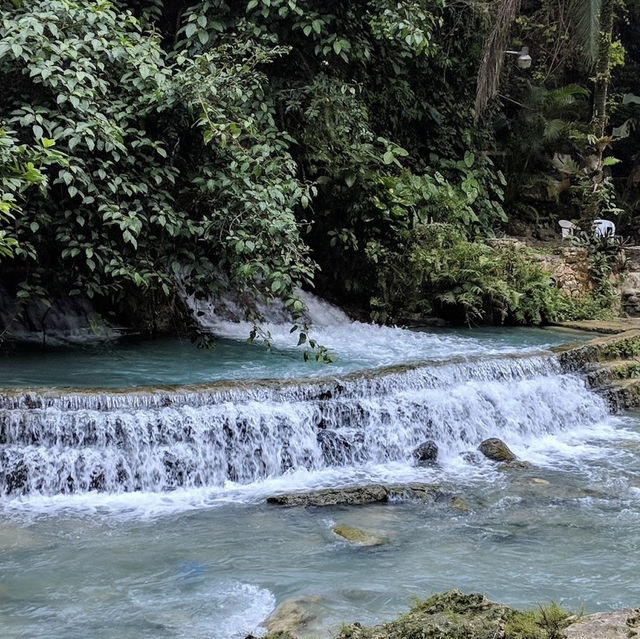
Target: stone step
[{"x": 632, "y": 255}]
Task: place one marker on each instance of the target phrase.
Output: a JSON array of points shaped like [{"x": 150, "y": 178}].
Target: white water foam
[
  {"x": 162, "y": 451},
  {"x": 157, "y": 443},
  {"x": 369, "y": 344},
  {"x": 228, "y": 609}
]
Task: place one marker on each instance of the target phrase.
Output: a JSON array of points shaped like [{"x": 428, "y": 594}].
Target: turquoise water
[
  {"x": 217, "y": 570},
  {"x": 130, "y": 362},
  {"x": 211, "y": 560}
]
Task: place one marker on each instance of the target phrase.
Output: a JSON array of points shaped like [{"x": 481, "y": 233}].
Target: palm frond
[
  {"x": 554, "y": 130},
  {"x": 587, "y": 14},
  {"x": 493, "y": 55}
]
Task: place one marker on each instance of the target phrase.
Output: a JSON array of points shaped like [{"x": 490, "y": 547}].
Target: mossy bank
[{"x": 455, "y": 615}]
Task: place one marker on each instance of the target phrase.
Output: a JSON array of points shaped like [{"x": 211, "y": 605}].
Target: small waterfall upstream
[{"x": 54, "y": 442}]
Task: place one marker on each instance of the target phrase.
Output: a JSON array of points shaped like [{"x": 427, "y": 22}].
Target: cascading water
[
  {"x": 154, "y": 441},
  {"x": 140, "y": 511}
]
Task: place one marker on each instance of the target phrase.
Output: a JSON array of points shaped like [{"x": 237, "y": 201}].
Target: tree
[{"x": 593, "y": 20}]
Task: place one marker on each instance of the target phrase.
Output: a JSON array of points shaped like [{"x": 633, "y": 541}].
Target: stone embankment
[{"x": 611, "y": 363}]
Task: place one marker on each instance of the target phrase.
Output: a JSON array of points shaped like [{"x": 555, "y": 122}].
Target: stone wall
[
  {"x": 566, "y": 264},
  {"x": 569, "y": 268}
]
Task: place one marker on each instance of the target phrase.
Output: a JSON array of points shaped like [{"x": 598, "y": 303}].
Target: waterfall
[{"x": 54, "y": 442}]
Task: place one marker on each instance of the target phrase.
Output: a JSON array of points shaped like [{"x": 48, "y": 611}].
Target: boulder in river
[
  {"x": 359, "y": 537},
  {"x": 357, "y": 495},
  {"x": 452, "y": 614},
  {"x": 292, "y": 617},
  {"x": 426, "y": 452},
  {"x": 496, "y": 450}
]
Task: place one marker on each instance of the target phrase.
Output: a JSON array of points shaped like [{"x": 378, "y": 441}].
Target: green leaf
[
  {"x": 469, "y": 159},
  {"x": 388, "y": 157}
]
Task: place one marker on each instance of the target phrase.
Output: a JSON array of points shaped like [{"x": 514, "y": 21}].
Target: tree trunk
[
  {"x": 595, "y": 168},
  {"x": 603, "y": 63}
]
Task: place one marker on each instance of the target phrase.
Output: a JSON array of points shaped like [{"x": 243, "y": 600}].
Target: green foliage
[
  {"x": 264, "y": 146},
  {"x": 621, "y": 349},
  {"x": 169, "y": 165},
  {"x": 444, "y": 273},
  {"x": 605, "y": 257},
  {"x": 19, "y": 170},
  {"x": 546, "y": 622},
  {"x": 627, "y": 371}
]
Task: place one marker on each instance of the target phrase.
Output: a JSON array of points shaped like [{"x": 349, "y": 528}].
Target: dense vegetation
[{"x": 264, "y": 146}]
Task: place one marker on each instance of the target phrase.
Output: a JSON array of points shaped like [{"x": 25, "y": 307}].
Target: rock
[
  {"x": 449, "y": 615},
  {"x": 426, "y": 452},
  {"x": 292, "y": 617},
  {"x": 336, "y": 449},
  {"x": 359, "y": 537},
  {"x": 356, "y": 495},
  {"x": 496, "y": 450},
  {"x": 620, "y": 624},
  {"x": 460, "y": 504},
  {"x": 542, "y": 482},
  {"x": 515, "y": 465}
]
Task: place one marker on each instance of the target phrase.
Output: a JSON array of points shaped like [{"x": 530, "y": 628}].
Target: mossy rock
[
  {"x": 516, "y": 464},
  {"x": 359, "y": 537},
  {"x": 455, "y": 615},
  {"x": 460, "y": 504},
  {"x": 292, "y": 616},
  {"x": 496, "y": 450},
  {"x": 359, "y": 495}
]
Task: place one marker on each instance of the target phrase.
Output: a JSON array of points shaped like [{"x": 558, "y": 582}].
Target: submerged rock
[
  {"x": 516, "y": 464},
  {"x": 496, "y": 450},
  {"x": 460, "y": 504},
  {"x": 426, "y": 452},
  {"x": 356, "y": 495},
  {"x": 541, "y": 482},
  {"x": 359, "y": 537}
]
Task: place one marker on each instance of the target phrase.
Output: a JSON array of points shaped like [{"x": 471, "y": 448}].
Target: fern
[{"x": 587, "y": 14}]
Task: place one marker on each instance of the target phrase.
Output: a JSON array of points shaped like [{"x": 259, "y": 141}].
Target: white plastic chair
[
  {"x": 604, "y": 228},
  {"x": 567, "y": 228}
]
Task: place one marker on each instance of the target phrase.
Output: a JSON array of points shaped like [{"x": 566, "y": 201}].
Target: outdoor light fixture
[{"x": 524, "y": 59}]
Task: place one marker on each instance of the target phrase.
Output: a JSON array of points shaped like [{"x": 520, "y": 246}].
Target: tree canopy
[{"x": 265, "y": 146}]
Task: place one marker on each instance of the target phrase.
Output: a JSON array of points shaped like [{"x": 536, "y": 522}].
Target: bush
[{"x": 442, "y": 272}]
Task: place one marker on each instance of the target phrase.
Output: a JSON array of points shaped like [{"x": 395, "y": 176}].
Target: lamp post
[{"x": 524, "y": 59}]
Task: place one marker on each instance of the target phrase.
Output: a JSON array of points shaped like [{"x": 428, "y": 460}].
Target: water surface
[{"x": 355, "y": 346}]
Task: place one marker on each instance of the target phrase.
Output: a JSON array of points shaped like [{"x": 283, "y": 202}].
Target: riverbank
[
  {"x": 455, "y": 615},
  {"x": 611, "y": 363}
]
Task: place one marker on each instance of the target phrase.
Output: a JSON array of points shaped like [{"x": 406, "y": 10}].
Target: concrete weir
[{"x": 611, "y": 363}]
